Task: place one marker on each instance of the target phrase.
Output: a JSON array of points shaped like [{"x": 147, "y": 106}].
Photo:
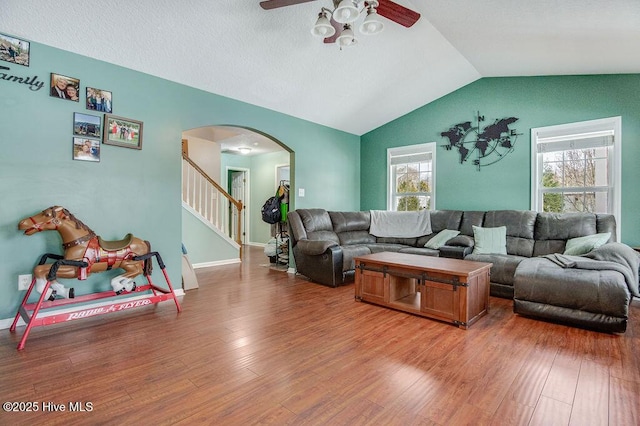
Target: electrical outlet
[{"x": 24, "y": 281}]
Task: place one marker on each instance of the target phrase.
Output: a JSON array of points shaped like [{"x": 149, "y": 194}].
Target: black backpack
[{"x": 271, "y": 210}]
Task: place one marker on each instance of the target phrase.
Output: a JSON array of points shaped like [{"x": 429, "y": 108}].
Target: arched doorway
[{"x": 242, "y": 161}]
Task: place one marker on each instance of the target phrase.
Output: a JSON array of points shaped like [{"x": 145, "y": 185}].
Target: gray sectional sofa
[{"x": 325, "y": 243}]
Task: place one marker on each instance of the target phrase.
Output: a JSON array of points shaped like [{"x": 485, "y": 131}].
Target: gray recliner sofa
[{"x": 325, "y": 244}]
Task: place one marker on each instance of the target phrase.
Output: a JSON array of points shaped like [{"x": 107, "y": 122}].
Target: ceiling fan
[{"x": 335, "y": 24}]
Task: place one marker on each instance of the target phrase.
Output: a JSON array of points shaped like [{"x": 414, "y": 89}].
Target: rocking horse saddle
[{"x": 117, "y": 244}]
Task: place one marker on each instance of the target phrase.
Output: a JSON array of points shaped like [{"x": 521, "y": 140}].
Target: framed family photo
[
  {"x": 86, "y": 149},
  {"x": 64, "y": 87},
  {"x": 86, "y": 125},
  {"x": 99, "y": 100},
  {"x": 14, "y": 50},
  {"x": 120, "y": 131}
]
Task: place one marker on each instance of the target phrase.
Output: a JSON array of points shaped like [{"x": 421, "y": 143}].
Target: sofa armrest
[
  {"x": 461, "y": 241},
  {"x": 455, "y": 252},
  {"x": 314, "y": 248},
  {"x": 324, "y": 268}
]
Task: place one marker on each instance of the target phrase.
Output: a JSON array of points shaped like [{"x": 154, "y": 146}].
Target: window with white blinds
[
  {"x": 411, "y": 177},
  {"x": 576, "y": 167}
]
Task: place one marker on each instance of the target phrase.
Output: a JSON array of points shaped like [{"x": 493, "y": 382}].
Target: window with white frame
[
  {"x": 411, "y": 172},
  {"x": 576, "y": 167}
]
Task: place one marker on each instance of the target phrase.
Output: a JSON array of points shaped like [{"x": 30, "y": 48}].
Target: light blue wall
[
  {"x": 129, "y": 190},
  {"x": 537, "y": 102},
  {"x": 263, "y": 186},
  {"x": 203, "y": 244},
  {"x": 262, "y": 180},
  {"x": 232, "y": 161}
]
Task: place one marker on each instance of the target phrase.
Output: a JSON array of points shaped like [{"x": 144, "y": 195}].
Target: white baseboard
[
  {"x": 292, "y": 271},
  {"x": 6, "y": 323},
  {"x": 216, "y": 263}
]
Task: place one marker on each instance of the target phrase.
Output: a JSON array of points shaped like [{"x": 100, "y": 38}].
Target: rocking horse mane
[{"x": 79, "y": 224}]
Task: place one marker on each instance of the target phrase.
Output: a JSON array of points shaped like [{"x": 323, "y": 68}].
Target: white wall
[{"x": 206, "y": 155}]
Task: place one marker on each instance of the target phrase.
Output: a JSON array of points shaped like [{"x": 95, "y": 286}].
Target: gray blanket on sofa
[
  {"x": 612, "y": 256},
  {"x": 400, "y": 224}
]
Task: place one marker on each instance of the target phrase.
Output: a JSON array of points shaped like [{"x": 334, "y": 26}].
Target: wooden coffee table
[{"x": 451, "y": 290}]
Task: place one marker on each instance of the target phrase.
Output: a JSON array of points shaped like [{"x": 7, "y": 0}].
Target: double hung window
[
  {"x": 411, "y": 177},
  {"x": 576, "y": 167}
]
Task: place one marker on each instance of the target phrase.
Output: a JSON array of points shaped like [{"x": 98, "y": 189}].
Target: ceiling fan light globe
[
  {"x": 347, "y": 38},
  {"x": 346, "y": 12},
  {"x": 371, "y": 24},
  {"x": 323, "y": 27}
]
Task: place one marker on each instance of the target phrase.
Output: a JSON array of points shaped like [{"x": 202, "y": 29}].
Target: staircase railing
[{"x": 211, "y": 201}]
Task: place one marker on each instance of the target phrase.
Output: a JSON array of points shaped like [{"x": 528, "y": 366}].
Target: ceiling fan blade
[
  {"x": 338, "y": 28},
  {"x": 397, "y": 13},
  {"x": 274, "y": 4}
]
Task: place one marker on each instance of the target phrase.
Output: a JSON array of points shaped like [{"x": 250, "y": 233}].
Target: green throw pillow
[
  {"x": 441, "y": 238},
  {"x": 582, "y": 245},
  {"x": 490, "y": 240}
]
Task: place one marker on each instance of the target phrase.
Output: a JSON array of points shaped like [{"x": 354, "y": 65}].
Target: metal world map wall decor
[{"x": 484, "y": 147}]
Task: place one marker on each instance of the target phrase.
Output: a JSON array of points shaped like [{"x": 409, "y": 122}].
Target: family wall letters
[{"x": 33, "y": 82}]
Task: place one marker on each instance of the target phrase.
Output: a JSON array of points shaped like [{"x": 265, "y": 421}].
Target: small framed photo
[
  {"x": 120, "y": 131},
  {"x": 86, "y": 149},
  {"x": 14, "y": 50},
  {"x": 64, "y": 87},
  {"x": 86, "y": 125},
  {"x": 99, "y": 100}
]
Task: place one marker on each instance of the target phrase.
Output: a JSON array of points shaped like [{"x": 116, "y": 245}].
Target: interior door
[{"x": 239, "y": 192}]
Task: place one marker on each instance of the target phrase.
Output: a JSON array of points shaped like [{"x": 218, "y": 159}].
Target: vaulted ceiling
[{"x": 269, "y": 58}]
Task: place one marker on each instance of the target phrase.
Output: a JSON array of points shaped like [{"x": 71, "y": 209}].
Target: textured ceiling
[
  {"x": 269, "y": 58},
  {"x": 232, "y": 139}
]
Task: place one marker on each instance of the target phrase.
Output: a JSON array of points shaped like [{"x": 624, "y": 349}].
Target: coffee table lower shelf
[{"x": 450, "y": 290}]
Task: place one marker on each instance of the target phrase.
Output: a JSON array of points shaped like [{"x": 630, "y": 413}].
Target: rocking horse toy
[
  {"x": 86, "y": 253},
  {"x": 80, "y": 243}
]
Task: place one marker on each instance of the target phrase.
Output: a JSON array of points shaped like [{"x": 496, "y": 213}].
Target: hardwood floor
[{"x": 254, "y": 345}]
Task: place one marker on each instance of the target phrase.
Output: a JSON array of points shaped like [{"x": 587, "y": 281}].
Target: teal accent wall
[
  {"x": 130, "y": 190},
  {"x": 537, "y": 102}
]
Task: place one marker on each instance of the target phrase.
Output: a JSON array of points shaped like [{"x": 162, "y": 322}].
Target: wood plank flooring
[{"x": 255, "y": 345}]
